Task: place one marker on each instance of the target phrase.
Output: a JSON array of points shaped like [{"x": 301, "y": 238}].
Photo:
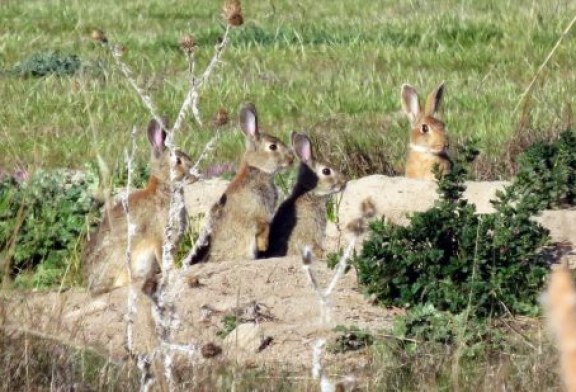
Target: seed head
[
  {"x": 232, "y": 13},
  {"x": 188, "y": 44},
  {"x": 99, "y": 36},
  {"x": 357, "y": 226},
  {"x": 306, "y": 255},
  {"x": 221, "y": 117},
  {"x": 210, "y": 350},
  {"x": 368, "y": 208}
]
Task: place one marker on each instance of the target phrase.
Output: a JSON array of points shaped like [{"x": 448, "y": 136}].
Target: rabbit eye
[
  {"x": 326, "y": 171},
  {"x": 424, "y": 128},
  {"x": 273, "y": 147}
]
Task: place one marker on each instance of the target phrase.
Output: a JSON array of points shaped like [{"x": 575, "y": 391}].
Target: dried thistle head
[
  {"x": 188, "y": 44},
  {"x": 368, "y": 208},
  {"x": 221, "y": 117},
  {"x": 99, "y": 36},
  {"x": 306, "y": 255},
  {"x": 210, "y": 350},
  {"x": 357, "y": 226},
  {"x": 232, "y": 13}
]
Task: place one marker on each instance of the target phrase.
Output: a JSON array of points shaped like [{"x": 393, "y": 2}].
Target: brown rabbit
[
  {"x": 105, "y": 261},
  {"x": 301, "y": 219},
  {"x": 240, "y": 219},
  {"x": 560, "y": 305},
  {"x": 428, "y": 139}
]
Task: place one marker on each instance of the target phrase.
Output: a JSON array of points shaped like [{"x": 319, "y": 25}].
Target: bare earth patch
[{"x": 278, "y": 309}]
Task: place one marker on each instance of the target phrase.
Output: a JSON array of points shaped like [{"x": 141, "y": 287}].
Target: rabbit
[
  {"x": 301, "y": 218},
  {"x": 239, "y": 221},
  {"x": 428, "y": 139},
  {"x": 105, "y": 258}
]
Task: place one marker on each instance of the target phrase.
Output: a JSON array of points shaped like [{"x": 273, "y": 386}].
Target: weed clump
[
  {"x": 547, "y": 173},
  {"x": 456, "y": 260},
  {"x": 48, "y": 63},
  {"x": 43, "y": 222}
]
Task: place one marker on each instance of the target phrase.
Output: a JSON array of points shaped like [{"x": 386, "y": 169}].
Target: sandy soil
[{"x": 274, "y": 297}]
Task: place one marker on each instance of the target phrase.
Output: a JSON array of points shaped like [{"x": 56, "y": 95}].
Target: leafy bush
[
  {"x": 47, "y": 63},
  {"x": 45, "y": 218},
  {"x": 454, "y": 259},
  {"x": 548, "y": 171}
]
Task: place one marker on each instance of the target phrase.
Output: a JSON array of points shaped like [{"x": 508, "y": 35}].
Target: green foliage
[
  {"x": 425, "y": 324},
  {"x": 350, "y": 339},
  {"x": 455, "y": 259},
  {"x": 47, "y": 216},
  {"x": 229, "y": 323},
  {"x": 48, "y": 63},
  {"x": 547, "y": 172}
]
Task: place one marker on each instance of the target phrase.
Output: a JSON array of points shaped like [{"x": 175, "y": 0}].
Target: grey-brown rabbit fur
[
  {"x": 105, "y": 256},
  {"x": 301, "y": 219},
  {"x": 240, "y": 219}
]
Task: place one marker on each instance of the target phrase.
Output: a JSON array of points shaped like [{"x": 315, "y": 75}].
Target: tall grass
[{"x": 333, "y": 69}]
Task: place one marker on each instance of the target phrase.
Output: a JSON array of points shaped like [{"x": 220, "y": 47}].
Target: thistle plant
[{"x": 162, "y": 292}]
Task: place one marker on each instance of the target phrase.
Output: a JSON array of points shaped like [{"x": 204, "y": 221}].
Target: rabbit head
[
  {"x": 160, "y": 161},
  {"x": 428, "y": 134},
  {"x": 315, "y": 177},
  {"x": 264, "y": 152}
]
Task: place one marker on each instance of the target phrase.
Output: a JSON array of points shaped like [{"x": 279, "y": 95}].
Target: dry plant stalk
[
  {"x": 131, "y": 303},
  {"x": 163, "y": 310},
  {"x": 544, "y": 63},
  {"x": 560, "y": 306},
  {"x": 357, "y": 227}
]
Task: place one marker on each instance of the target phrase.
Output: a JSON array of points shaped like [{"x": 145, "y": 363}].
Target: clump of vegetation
[
  {"x": 48, "y": 63},
  {"x": 350, "y": 339},
  {"x": 43, "y": 222},
  {"x": 454, "y": 259},
  {"x": 547, "y": 172},
  {"x": 229, "y": 324}
]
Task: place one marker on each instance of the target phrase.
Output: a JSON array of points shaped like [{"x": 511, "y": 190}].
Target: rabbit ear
[
  {"x": 302, "y": 147},
  {"x": 156, "y": 135},
  {"x": 434, "y": 100},
  {"x": 410, "y": 102},
  {"x": 249, "y": 121}
]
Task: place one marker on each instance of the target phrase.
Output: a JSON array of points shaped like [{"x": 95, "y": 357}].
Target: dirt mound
[{"x": 278, "y": 311}]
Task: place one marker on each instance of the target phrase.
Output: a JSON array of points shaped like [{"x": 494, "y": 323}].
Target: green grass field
[{"x": 333, "y": 69}]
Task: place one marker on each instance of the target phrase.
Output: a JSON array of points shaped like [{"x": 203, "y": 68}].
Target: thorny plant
[
  {"x": 357, "y": 228},
  {"x": 163, "y": 310}
]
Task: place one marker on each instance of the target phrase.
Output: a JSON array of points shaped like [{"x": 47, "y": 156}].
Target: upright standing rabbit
[
  {"x": 301, "y": 219},
  {"x": 428, "y": 139},
  {"x": 240, "y": 219},
  {"x": 105, "y": 261}
]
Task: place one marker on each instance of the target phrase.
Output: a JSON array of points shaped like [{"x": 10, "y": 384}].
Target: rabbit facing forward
[
  {"x": 240, "y": 219},
  {"x": 301, "y": 218},
  {"x": 105, "y": 257},
  {"x": 428, "y": 140}
]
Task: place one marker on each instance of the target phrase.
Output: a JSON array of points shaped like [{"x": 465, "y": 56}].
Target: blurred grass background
[{"x": 333, "y": 69}]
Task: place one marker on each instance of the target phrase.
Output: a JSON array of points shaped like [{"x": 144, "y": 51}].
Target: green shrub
[
  {"x": 47, "y": 216},
  {"x": 454, "y": 259},
  {"x": 547, "y": 172},
  {"x": 48, "y": 63}
]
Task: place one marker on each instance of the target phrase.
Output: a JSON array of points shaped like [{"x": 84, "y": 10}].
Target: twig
[
  {"x": 209, "y": 147},
  {"x": 192, "y": 97},
  {"x": 146, "y": 99},
  {"x": 131, "y": 302},
  {"x": 546, "y": 60}
]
